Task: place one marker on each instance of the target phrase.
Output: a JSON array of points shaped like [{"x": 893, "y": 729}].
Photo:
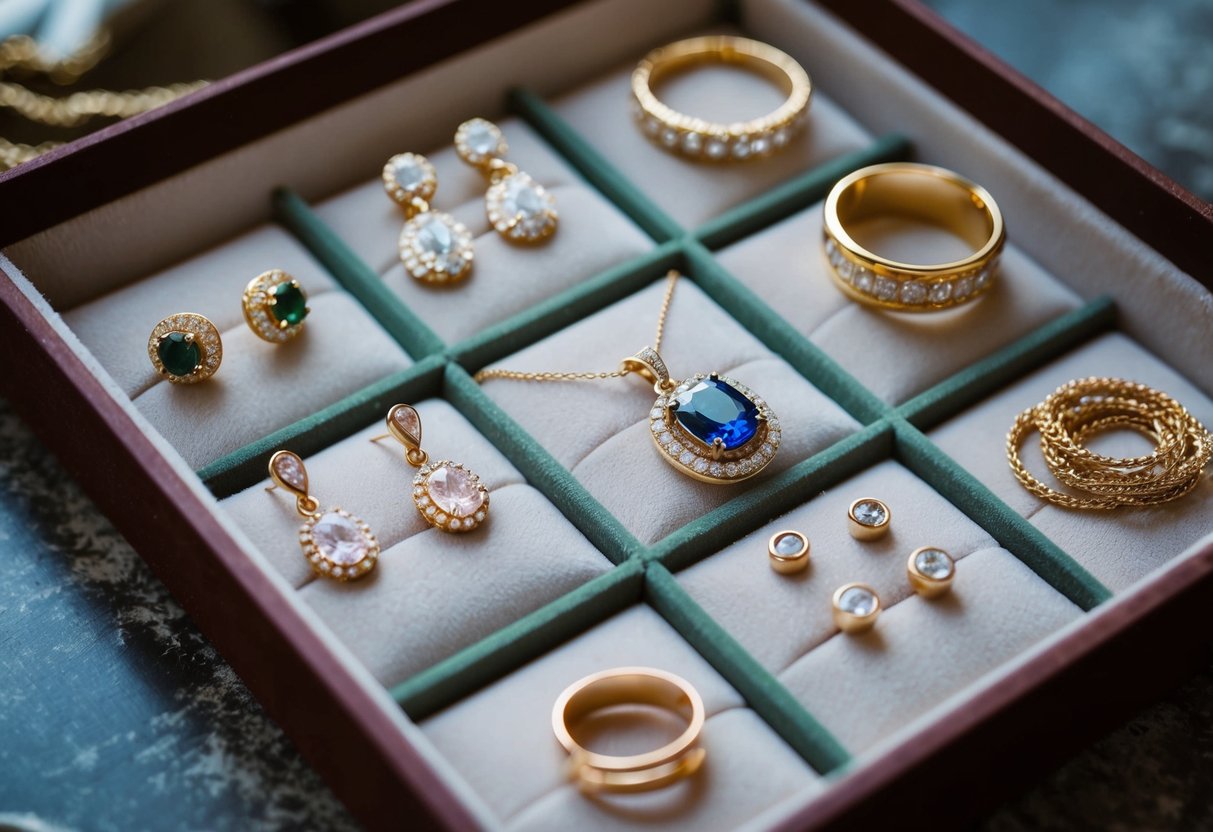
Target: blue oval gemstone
[{"x": 716, "y": 409}]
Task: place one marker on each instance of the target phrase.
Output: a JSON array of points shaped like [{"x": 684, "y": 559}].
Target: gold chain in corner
[{"x": 518, "y": 375}]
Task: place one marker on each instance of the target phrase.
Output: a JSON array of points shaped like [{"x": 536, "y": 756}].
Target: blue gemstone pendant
[{"x": 710, "y": 427}]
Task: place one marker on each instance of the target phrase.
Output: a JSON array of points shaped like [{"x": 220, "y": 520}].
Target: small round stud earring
[
  {"x": 274, "y": 306},
  {"x": 868, "y": 519},
  {"x": 788, "y": 552},
  {"x": 930, "y": 571},
  {"x": 434, "y": 246},
  {"x": 856, "y": 607},
  {"x": 448, "y": 495},
  {"x": 185, "y": 348},
  {"x": 520, "y": 209},
  {"x": 336, "y": 543}
]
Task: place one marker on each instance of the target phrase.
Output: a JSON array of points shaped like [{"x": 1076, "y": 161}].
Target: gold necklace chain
[
  {"x": 1085, "y": 407},
  {"x": 518, "y": 375},
  {"x": 20, "y": 55}
]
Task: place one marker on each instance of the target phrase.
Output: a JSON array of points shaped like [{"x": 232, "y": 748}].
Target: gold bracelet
[
  {"x": 630, "y": 686},
  {"x": 703, "y": 140},
  {"x": 1082, "y": 408},
  {"x": 919, "y": 192}
]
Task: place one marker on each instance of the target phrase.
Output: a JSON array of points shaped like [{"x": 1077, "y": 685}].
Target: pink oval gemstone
[
  {"x": 454, "y": 491},
  {"x": 339, "y": 539}
]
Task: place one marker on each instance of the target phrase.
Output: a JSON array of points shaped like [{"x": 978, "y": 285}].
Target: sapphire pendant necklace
[{"x": 708, "y": 426}]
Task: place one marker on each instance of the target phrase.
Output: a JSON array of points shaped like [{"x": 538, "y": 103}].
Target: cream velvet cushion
[
  {"x": 692, "y": 192},
  {"x": 895, "y": 355},
  {"x": 432, "y": 592},
  {"x": 268, "y": 385},
  {"x": 1117, "y": 547},
  {"x": 506, "y": 279},
  {"x": 599, "y": 430},
  {"x": 500, "y": 740}
]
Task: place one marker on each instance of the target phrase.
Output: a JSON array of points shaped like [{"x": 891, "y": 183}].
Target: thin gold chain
[
  {"x": 518, "y": 375},
  {"x": 20, "y": 55}
]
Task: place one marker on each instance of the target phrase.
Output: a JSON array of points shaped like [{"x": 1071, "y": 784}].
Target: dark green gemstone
[
  {"x": 290, "y": 304},
  {"x": 178, "y": 355}
]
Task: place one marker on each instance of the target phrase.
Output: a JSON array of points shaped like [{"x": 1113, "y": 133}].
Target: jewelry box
[{"x": 423, "y": 693}]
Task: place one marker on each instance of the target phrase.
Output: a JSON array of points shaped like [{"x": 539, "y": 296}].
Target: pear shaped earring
[
  {"x": 519, "y": 208},
  {"x": 434, "y": 246},
  {"x": 336, "y": 543},
  {"x": 448, "y": 495}
]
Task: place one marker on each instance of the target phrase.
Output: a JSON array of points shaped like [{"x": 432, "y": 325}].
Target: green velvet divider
[
  {"x": 782, "y": 338},
  {"x": 1039, "y": 347},
  {"x": 591, "y": 164},
  {"x": 777, "y": 495},
  {"x": 511, "y": 647},
  {"x": 355, "y": 276},
  {"x": 798, "y": 193},
  {"x": 763, "y": 692},
  {"x": 542, "y": 471},
  {"x": 246, "y": 466},
  {"x": 570, "y": 306},
  {"x": 1013, "y": 532}
]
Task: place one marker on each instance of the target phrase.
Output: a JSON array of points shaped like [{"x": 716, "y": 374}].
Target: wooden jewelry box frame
[{"x": 1090, "y": 678}]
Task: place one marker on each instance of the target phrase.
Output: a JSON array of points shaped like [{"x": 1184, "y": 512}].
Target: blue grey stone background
[{"x": 116, "y": 714}]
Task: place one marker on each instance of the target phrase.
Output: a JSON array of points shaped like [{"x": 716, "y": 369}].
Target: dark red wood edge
[
  {"x": 1161, "y": 212},
  {"x": 1009, "y": 736},
  {"x": 334, "y": 722},
  {"x": 140, "y": 151}
]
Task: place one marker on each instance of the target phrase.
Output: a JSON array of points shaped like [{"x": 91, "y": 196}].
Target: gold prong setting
[{"x": 710, "y": 463}]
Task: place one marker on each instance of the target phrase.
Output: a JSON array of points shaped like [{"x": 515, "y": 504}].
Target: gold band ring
[
  {"x": 711, "y": 141},
  {"x": 933, "y": 195},
  {"x": 630, "y": 686}
]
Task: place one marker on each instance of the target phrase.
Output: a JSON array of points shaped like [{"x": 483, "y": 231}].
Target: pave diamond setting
[
  {"x": 185, "y": 348},
  {"x": 436, "y": 248},
  {"x": 450, "y": 497},
  {"x": 338, "y": 545},
  {"x": 520, "y": 209},
  {"x": 275, "y": 306},
  {"x": 714, "y": 429},
  {"x": 904, "y": 291}
]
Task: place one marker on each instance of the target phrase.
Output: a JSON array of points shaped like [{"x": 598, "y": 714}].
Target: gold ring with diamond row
[
  {"x": 923, "y": 193},
  {"x": 703, "y": 140},
  {"x": 185, "y": 348},
  {"x": 275, "y": 306},
  {"x": 655, "y": 769}
]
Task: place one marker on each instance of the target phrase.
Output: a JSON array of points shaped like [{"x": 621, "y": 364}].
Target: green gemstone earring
[
  {"x": 275, "y": 306},
  {"x": 185, "y": 348}
]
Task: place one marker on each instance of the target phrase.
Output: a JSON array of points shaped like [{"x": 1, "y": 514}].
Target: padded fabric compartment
[
  {"x": 506, "y": 279},
  {"x": 271, "y": 386},
  {"x": 599, "y": 429},
  {"x": 500, "y": 739},
  {"x": 115, "y": 326},
  {"x": 867, "y": 687},
  {"x": 1117, "y": 547},
  {"x": 373, "y": 481},
  {"x": 780, "y": 617},
  {"x": 435, "y": 592},
  {"x": 895, "y": 355},
  {"x": 692, "y": 192}
]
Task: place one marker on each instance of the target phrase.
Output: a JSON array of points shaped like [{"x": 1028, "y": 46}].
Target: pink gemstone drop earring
[{"x": 448, "y": 495}]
